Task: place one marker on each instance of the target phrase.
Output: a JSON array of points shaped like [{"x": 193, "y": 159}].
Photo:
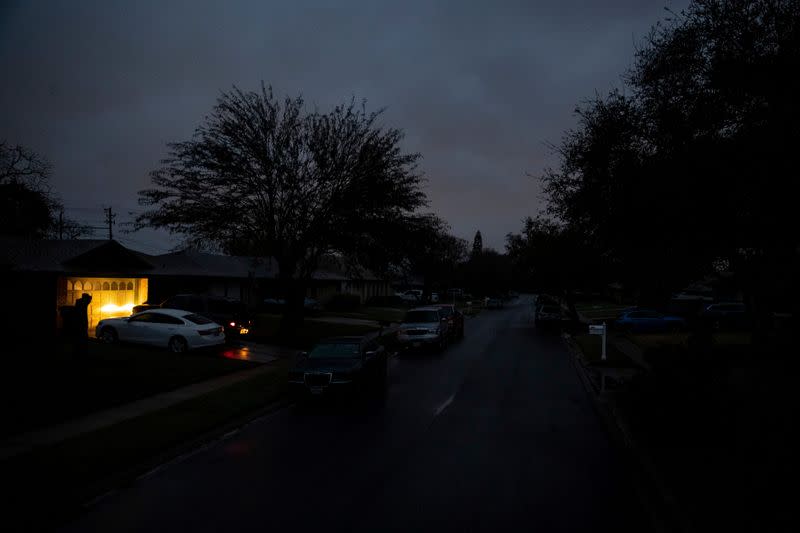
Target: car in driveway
[
  {"x": 648, "y": 321},
  {"x": 339, "y": 366},
  {"x": 423, "y": 327},
  {"x": 455, "y": 320},
  {"x": 175, "y": 329},
  {"x": 231, "y": 314}
]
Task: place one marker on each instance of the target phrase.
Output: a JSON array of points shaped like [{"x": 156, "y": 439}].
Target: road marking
[{"x": 442, "y": 407}]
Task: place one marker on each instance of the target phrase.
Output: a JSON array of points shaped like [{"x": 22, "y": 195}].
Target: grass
[
  {"x": 591, "y": 347},
  {"x": 65, "y": 474},
  {"x": 49, "y": 386},
  {"x": 267, "y": 327},
  {"x": 597, "y": 310},
  {"x": 388, "y": 314}
]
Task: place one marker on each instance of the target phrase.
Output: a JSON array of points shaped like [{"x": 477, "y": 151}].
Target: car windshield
[
  {"x": 197, "y": 319},
  {"x": 421, "y": 316},
  {"x": 334, "y": 350},
  {"x": 447, "y": 311}
]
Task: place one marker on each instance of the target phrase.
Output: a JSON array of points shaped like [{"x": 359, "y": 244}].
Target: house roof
[
  {"x": 34, "y": 255},
  {"x": 193, "y": 263},
  {"x": 107, "y": 255}
]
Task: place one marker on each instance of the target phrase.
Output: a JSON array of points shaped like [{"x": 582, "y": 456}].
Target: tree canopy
[
  {"x": 693, "y": 161},
  {"x": 28, "y": 207},
  {"x": 272, "y": 178}
]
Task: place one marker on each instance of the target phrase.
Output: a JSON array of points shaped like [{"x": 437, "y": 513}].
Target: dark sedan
[{"x": 339, "y": 365}]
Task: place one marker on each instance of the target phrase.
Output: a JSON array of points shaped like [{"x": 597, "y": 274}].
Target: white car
[{"x": 170, "y": 328}]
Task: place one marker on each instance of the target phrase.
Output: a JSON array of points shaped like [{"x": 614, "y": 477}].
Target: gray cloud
[{"x": 478, "y": 86}]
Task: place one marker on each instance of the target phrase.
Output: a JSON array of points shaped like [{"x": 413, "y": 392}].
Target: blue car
[{"x": 648, "y": 321}]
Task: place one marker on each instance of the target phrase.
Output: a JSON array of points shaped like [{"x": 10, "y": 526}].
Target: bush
[
  {"x": 386, "y": 301},
  {"x": 343, "y": 302}
]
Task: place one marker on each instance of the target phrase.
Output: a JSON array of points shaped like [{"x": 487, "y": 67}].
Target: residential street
[{"x": 497, "y": 433}]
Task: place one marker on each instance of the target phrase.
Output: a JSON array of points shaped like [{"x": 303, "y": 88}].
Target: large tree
[
  {"x": 695, "y": 161},
  {"x": 273, "y": 178}
]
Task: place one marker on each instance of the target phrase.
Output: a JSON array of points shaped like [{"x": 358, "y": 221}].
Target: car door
[
  {"x": 636, "y": 321},
  {"x": 138, "y": 328},
  {"x": 162, "y": 328},
  {"x": 653, "y": 322}
]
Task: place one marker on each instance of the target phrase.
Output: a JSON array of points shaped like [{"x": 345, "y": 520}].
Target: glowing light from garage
[{"x": 113, "y": 309}]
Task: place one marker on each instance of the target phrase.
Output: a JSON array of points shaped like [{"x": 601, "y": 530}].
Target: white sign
[
  {"x": 600, "y": 330},
  {"x": 597, "y": 330}
]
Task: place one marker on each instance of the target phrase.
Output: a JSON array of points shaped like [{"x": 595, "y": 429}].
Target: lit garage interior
[{"x": 111, "y": 297}]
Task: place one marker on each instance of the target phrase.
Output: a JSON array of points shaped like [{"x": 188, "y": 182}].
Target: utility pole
[{"x": 110, "y": 217}]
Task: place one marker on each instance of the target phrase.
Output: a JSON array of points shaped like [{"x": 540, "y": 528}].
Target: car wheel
[
  {"x": 178, "y": 345},
  {"x": 108, "y": 335}
]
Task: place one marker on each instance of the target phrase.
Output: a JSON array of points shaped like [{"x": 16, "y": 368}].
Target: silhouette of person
[{"x": 81, "y": 324}]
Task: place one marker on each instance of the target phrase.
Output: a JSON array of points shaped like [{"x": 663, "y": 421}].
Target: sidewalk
[{"x": 23, "y": 443}]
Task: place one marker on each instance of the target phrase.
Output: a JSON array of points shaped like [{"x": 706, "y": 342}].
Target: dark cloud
[{"x": 479, "y": 87}]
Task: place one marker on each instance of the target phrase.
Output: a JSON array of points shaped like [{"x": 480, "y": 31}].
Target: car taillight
[{"x": 233, "y": 324}]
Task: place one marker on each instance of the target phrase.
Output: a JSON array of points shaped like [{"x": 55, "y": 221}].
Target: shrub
[
  {"x": 386, "y": 301},
  {"x": 343, "y": 302}
]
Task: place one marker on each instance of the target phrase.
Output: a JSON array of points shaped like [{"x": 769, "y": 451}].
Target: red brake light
[{"x": 233, "y": 324}]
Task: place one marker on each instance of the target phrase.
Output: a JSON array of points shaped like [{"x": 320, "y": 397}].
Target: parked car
[
  {"x": 648, "y": 321},
  {"x": 423, "y": 327},
  {"x": 547, "y": 315},
  {"x": 339, "y": 365},
  {"x": 175, "y": 329},
  {"x": 455, "y": 293},
  {"x": 277, "y": 305},
  {"x": 455, "y": 320},
  {"x": 494, "y": 302},
  {"x": 411, "y": 295},
  {"x": 232, "y": 314},
  {"x": 726, "y": 315}
]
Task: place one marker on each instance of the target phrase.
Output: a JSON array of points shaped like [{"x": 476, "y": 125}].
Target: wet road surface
[{"x": 494, "y": 434}]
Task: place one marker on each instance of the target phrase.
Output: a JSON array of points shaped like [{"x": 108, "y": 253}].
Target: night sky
[{"x": 479, "y": 87}]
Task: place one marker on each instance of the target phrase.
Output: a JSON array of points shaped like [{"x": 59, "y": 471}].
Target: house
[
  {"x": 41, "y": 276},
  {"x": 189, "y": 271}
]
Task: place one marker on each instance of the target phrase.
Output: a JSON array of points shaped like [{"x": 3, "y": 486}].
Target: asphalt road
[{"x": 495, "y": 434}]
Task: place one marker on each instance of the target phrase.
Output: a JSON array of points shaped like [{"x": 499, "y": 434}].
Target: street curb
[{"x": 660, "y": 504}]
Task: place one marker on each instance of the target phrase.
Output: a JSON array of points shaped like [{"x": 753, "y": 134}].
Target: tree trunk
[{"x": 293, "y": 291}]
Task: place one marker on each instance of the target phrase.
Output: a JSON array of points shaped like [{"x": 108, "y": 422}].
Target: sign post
[{"x": 600, "y": 330}]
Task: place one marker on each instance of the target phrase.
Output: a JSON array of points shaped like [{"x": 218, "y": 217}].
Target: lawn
[
  {"x": 598, "y": 310},
  {"x": 591, "y": 347},
  {"x": 48, "y": 386},
  {"x": 266, "y": 328},
  {"x": 64, "y": 475},
  {"x": 378, "y": 314}
]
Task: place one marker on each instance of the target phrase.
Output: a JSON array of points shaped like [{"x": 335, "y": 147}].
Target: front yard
[
  {"x": 47, "y": 386},
  {"x": 65, "y": 475},
  {"x": 266, "y": 328}
]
